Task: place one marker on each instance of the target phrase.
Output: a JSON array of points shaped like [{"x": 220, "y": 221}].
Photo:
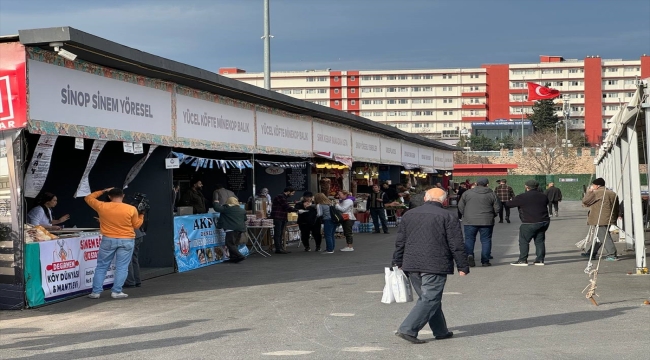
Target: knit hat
[
  {"x": 599, "y": 182},
  {"x": 533, "y": 184}
]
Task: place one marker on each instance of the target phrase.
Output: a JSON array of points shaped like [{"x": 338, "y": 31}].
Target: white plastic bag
[
  {"x": 388, "y": 297},
  {"x": 401, "y": 285}
]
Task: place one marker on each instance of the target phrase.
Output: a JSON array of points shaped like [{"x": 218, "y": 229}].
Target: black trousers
[
  {"x": 507, "y": 209},
  {"x": 278, "y": 231},
  {"x": 529, "y": 232},
  {"x": 232, "y": 243},
  {"x": 347, "y": 231},
  {"x": 133, "y": 277},
  {"x": 314, "y": 230},
  {"x": 551, "y": 205}
]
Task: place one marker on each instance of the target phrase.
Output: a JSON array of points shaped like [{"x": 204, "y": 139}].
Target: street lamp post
[{"x": 567, "y": 114}]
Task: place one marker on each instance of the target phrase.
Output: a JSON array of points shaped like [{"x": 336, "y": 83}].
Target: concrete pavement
[{"x": 319, "y": 306}]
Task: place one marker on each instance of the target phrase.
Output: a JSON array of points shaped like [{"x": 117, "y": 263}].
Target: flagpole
[{"x": 522, "y": 116}]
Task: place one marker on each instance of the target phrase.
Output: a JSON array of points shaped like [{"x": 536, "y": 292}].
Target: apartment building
[{"x": 440, "y": 103}]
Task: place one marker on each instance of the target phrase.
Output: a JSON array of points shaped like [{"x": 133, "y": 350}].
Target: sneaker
[
  {"x": 556, "y": 215},
  {"x": 611, "y": 258},
  {"x": 347, "y": 249},
  {"x": 486, "y": 264},
  {"x": 119, "y": 295},
  {"x": 93, "y": 296},
  {"x": 519, "y": 263},
  {"x": 508, "y": 221},
  {"x": 317, "y": 249},
  {"x": 470, "y": 260},
  {"x": 307, "y": 249},
  {"x": 328, "y": 252},
  {"x": 538, "y": 263},
  {"x": 409, "y": 338}
]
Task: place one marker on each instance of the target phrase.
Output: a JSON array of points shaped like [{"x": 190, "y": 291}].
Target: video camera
[{"x": 141, "y": 202}]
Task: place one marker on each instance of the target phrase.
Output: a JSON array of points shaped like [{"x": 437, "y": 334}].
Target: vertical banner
[
  {"x": 135, "y": 170},
  {"x": 39, "y": 165},
  {"x": 84, "y": 185},
  {"x": 13, "y": 87},
  {"x": 68, "y": 265},
  {"x": 198, "y": 242}
]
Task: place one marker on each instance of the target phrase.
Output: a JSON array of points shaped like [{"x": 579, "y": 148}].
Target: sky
[{"x": 352, "y": 34}]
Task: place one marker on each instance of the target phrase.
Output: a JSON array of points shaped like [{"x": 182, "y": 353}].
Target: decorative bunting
[
  {"x": 199, "y": 162},
  {"x": 284, "y": 165}
]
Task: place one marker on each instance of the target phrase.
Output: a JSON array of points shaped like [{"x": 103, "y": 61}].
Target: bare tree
[{"x": 546, "y": 154}]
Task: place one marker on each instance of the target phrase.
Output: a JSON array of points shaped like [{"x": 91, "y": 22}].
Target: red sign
[{"x": 13, "y": 88}]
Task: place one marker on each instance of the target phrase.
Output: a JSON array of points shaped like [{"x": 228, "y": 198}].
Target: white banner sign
[
  {"x": 135, "y": 170},
  {"x": 410, "y": 154},
  {"x": 449, "y": 160},
  {"x": 439, "y": 159},
  {"x": 59, "y": 94},
  {"x": 281, "y": 132},
  {"x": 39, "y": 165},
  {"x": 391, "y": 151},
  {"x": 84, "y": 186},
  {"x": 68, "y": 265},
  {"x": 210, "y": 121},
  {"x": 366, "y": 147},
  {"x": 425, "y": 157},
  {"x": 330, "y": 138}
]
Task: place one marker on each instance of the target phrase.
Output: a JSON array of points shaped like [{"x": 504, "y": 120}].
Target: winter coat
[
  {"x": 554, "y": 194},
  {"x": 605, "y": 199},
  {"x": 230, "y": 217},
  {"x": 479, "y": 206},
  {"x": 533, "y": 207},
  {"x": 307, "y": 218},
  {"x": 429, "y": 240}
]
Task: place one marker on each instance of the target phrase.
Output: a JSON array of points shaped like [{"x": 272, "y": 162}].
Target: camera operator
[
  {"x": 133, "y": 277},
  {"x": 117, "y": 223}
]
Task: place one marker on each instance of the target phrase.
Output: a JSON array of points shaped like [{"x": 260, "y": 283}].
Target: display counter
[
  {"x": 198, "y": 242},
  {"x": 62, "y": 268}
]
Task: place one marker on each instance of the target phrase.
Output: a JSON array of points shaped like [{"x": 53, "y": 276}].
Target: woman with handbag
[
  {"x": 232, "y": 219},
  {"x": 346, "y": 207},
  {"x": 323, "y": 211}
]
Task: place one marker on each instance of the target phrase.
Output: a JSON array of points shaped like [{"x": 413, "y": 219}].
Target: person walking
[
  {"x": 117, "y": 224},
  {"x": 479, "y": 207},
  {"x": 554, "y": 197},
  {"x": 279, "y": 209},
  {"x": 603, "y": 212},
  {"x": 429, "y": 240},
  {"x": 346, "y": 207},
  {"x": 535, "y": 219},
  {"x": 375, "y": 205},
  {"x": 323, "y": 210},
  {"x": 504, "y": 193},
  {"x": 462, "y": 187},
  {"x": 232, "y": 219},
  {"x": 308, "y": 221}
]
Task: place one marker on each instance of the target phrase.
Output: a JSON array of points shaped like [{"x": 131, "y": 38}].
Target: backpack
[{"x": 336, "y": 215}]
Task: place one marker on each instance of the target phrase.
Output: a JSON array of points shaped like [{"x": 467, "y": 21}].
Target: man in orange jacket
[{"x": 117, "y": 224}]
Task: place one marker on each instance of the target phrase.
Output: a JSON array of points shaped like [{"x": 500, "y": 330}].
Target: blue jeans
[
  {"x": 486, "y": 240},
  {"x": 378, "y": 214},
  {"x": 329, "y": 228},
  {"x": 121, "y": 250}
]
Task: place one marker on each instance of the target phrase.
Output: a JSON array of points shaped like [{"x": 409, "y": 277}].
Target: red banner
[{"x": 13, "y": 86}]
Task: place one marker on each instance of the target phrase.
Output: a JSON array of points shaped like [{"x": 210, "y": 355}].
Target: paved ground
[{"x": 315, "y": 306}]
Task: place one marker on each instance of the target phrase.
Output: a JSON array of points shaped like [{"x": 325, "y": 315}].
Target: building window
[
  {"x": 390, "y": 77},
  {"x": 473, "y": 76},
  {"x": 353, "y": 78},
  {"x": 297, "y": 91},
  {"x": 378, "y": 102},
  {"x": 428, "y": 77},
  {"x": 446, "y": 76},
  {"x": 365, "y": 77},
  {"x": 402, "y": 125},
  {"x": 427, "y": 101},
  {"x": 377, "y": 113},
  {"x": 336, "y": 91},
  {"x": 612, "y": 95},
  {"x": 613, "y": 107},
  {"x": 391, "y": 101},
  {"x": 471, "y": 112},
  {"x": 416, "y": 101},
  {"x": 558, "y": 83},
  {"x": 447, "y": 88},
  {"x": 448, "y": 113},
  {"x": 336, "y": 78},
  {"x": 365, "y": 90},
  {"x": 402, "y": 101},
  {"x": 392, "y": 113},
  {"x": 530, "y": 71},
  {"x": 322, "y": 91},
  {"x": 518, "y": 84},
  {"x": 377, "y": 77},
  {"x": 310, "y": 91},
  {"x": 546, "y": 71},
  {"x": 428, "y": 113},
  {"x": 448, "y": 101},
  {"x": 612, "y": 69},
  {"x": 402, "y": 89},
  {"x": 366, "y": 102},
  {"x": 353, "y": 102},
  {"x": 311, "y": 79},
  {"x": 630, "y": 82},
  {"x": 403, "y": 113},
  {"x": 321, "y": 102},
  {"x": 416, "y": 77},
  {"x": 630, "y": 94},
  {"x": 416, "y": 89},
  {"x": 474, "y": 101},
  {"x": 557, "y": 71},
  {"x": 574, "y": 83},
  {"x": 337, "y": 102},
  {"x": 285, "y": 91},
  {"x": 575, "y": 70},
  {"x": 427, "y": 89},
  {"x": 392, "y": 89},
  {"x": 402, "y": 77},
  {"x": 377, "y": 90},
  {"x": 353, "y": 90},
  {"x": 612, "y": 82},
  {"x": 517, "y": 72},
  {"x": 366, "y": 113},
  {"x": 417, "y": 113}
]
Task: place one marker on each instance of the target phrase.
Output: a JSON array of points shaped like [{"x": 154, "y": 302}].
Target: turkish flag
[{"x": 539, "y": 92}]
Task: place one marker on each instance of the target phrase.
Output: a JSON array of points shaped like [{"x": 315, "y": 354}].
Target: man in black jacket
[
  {"x": 308, "y": 221},
  {"x": 429, "y": 240},
  {"x": 533, "y": 210},
  {"x": 375, "y": 206},
  {"x": 554, "y": 197}
]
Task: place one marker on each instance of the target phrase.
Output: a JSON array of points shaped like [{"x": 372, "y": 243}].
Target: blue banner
[{"x": 198, "y": 242}]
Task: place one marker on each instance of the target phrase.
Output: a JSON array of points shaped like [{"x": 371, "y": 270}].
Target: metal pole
[
  {"x": 636, "y": 209},
  {"x": 522, "y": 117},
  {"x": 267, "y": 46},
  {"x": 567, "y": 114}
]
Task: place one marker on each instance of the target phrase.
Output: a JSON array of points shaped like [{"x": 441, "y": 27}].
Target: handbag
[{"x": 346, "y": 216}]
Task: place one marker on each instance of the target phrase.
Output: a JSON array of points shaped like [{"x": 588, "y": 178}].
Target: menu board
[
  {"x": 297, "y": 179},
  {"x": 236, "y": 180}
]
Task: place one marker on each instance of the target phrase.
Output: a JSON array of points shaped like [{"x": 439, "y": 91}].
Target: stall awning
[{"x": 343, "y": 159}]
